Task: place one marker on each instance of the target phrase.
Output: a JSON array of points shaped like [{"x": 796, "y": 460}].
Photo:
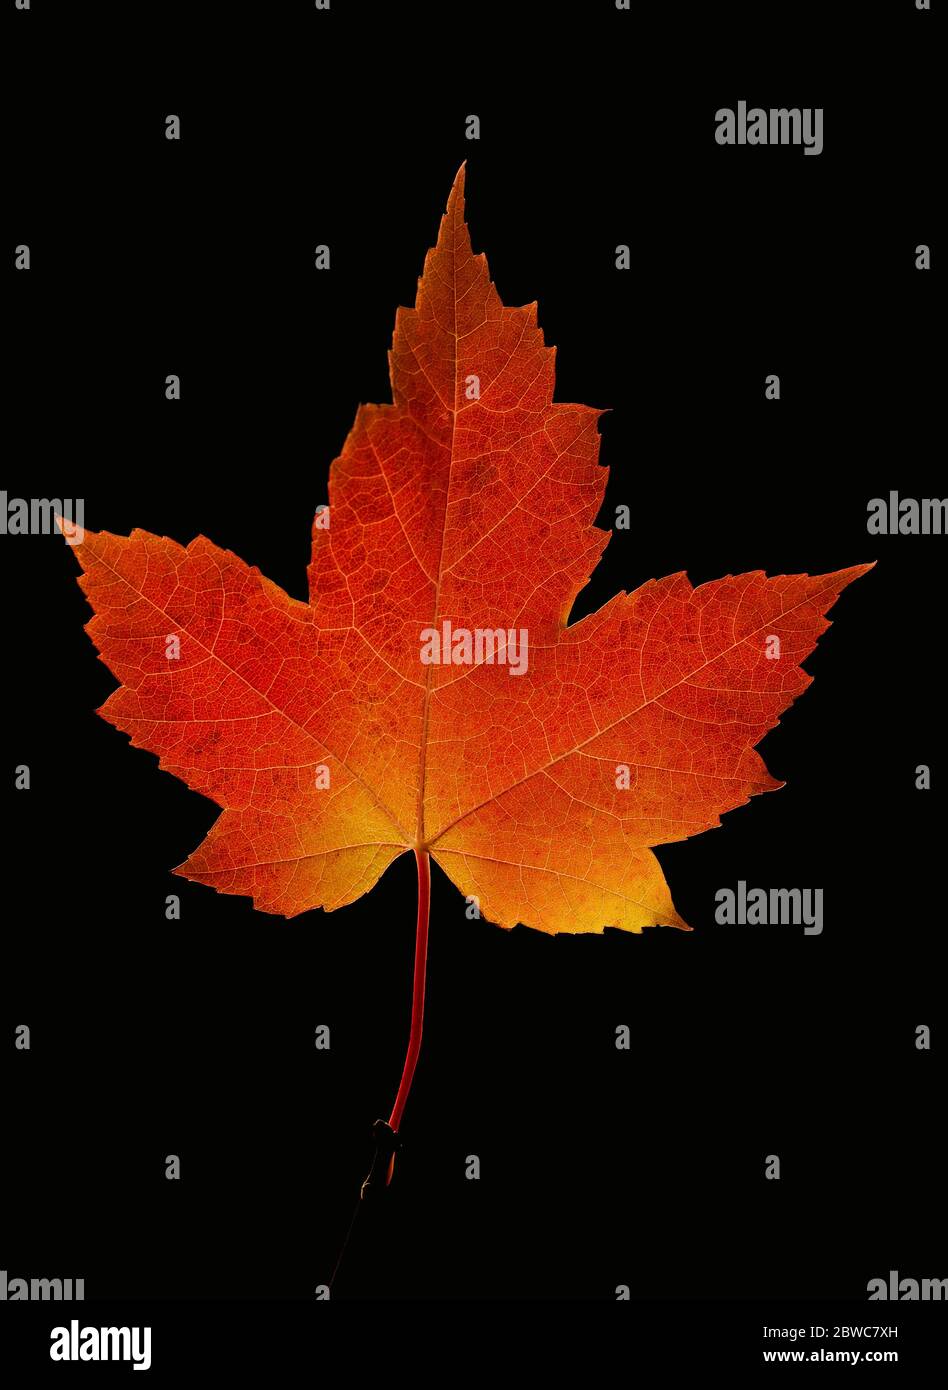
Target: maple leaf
[{"x": 467, "y": 506}]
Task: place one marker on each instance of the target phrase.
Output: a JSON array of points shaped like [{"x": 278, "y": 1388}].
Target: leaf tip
[
  {"x": 456, "y": 196},
  {"x": 72, "y": 532},
  {"x": 844, "y": 577}
]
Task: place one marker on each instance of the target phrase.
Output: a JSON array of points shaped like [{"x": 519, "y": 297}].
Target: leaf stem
[{"x": 418, "y": 989}]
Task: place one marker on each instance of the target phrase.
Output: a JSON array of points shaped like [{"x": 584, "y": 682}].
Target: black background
[{"x": 150, "y": 1037}]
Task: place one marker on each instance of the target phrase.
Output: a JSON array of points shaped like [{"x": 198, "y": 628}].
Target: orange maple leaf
[{"x": 431, "y": 696}]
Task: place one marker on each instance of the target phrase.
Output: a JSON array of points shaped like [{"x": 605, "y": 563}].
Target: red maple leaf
[{"x": 432, "y": 696}]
